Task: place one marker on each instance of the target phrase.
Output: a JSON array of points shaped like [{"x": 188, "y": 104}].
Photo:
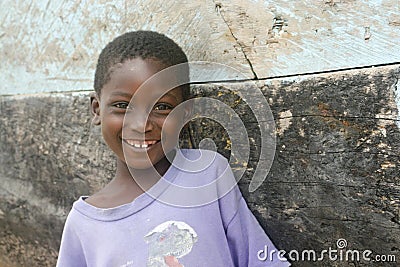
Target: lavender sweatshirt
[{"x": 195, "y": 213}]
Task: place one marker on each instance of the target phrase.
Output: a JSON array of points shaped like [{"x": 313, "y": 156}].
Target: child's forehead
[
  {"x": 137, "y": 67},
  {"x": 143, "y": 70}
]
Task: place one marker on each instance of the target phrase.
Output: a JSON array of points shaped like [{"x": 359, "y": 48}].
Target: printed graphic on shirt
[
  {"x": 171, "y": 238},
  {"x": 129, "y": 263}
]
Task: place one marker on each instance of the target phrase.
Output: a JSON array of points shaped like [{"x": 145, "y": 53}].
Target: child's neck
[
  {"x": 124, "y": 188},
  {"x": 143, "y": 178}
]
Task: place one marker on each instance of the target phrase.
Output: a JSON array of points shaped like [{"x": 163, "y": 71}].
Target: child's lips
[{"x": 140, "y": 144}]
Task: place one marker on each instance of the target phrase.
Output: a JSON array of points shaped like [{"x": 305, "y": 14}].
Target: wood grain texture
[
  {"x": 285, "y": 37},
  {"x": 53, "y": 45}
]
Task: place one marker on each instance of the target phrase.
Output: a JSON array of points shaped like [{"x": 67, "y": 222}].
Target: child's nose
[{"x": 138, "y": 121}]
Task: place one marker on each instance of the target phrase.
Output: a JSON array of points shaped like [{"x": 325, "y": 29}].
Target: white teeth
[{"x": 140, "y": 144}]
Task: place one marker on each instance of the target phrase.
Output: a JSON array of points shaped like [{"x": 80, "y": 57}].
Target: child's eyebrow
[
  {"x": 121, "y": 94},
  {"x": 170, "y": 94},
  {"x": 128, "y": 95}
]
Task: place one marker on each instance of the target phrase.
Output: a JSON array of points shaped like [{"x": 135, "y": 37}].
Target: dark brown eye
[
  {"x": 121, "y": 105},
  {"x": 162, "y": 107}
]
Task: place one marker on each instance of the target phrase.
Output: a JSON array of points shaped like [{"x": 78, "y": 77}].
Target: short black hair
[{"x": 143, "y": 44}]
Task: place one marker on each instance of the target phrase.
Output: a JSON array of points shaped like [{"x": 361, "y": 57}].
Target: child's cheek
[
  {"x": 171, "y": 129},
  {"x": 111, "y": 132}
]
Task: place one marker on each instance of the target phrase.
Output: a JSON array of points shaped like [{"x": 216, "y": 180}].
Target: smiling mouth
[{"x": 140, "y": 144}]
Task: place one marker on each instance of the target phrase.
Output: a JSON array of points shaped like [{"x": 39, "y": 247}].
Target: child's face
[{"x": 131, "y": 139}]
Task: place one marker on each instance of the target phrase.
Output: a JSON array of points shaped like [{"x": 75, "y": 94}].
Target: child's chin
[{"x": 145, "y": 164}]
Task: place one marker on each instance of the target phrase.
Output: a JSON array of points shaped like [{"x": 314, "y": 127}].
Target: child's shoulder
[
  {"x": 200, "y": 161},
  {"x": 199, "y": 167},
  {"x": 196, "y": 155}
]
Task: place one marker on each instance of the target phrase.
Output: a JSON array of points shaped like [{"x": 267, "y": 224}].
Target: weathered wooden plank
[
  {"x": 58, "y": 42},
  {"x": 285, "y": 37},
  {"x": 335, "y": 173},
  {"x": 53, "y": 45}
]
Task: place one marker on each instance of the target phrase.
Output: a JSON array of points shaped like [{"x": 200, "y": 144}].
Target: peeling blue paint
[{"x": 58, "y": 41}]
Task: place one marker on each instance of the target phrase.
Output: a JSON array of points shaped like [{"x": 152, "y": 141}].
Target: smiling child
[{"x": 131, "y": 221}]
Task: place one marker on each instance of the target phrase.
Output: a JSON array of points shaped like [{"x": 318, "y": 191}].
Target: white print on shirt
[
  {"x": 171, "y": 238},
  {"x": 129, "y": 263}
]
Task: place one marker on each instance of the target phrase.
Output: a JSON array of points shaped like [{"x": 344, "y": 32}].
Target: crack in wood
[
  {"x": 218, "y": 7},
  {"x": 296, "y": 75},
  {"x": 349, "y": 220},
  {"x": 396, "y": 88},
  {"x": 323, "y": 183},
  {"x": 336, "y": 152},
  {"x": 336, "y": 117}
]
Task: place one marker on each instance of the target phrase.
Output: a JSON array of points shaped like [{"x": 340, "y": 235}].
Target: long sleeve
[{"x": 71, "y": 252}]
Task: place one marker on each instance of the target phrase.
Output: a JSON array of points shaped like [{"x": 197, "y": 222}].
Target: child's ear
[{"x": 95, "y": 108}]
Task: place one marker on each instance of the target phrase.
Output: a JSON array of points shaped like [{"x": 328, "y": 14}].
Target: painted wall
[{"x": 53, "y": 45}]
